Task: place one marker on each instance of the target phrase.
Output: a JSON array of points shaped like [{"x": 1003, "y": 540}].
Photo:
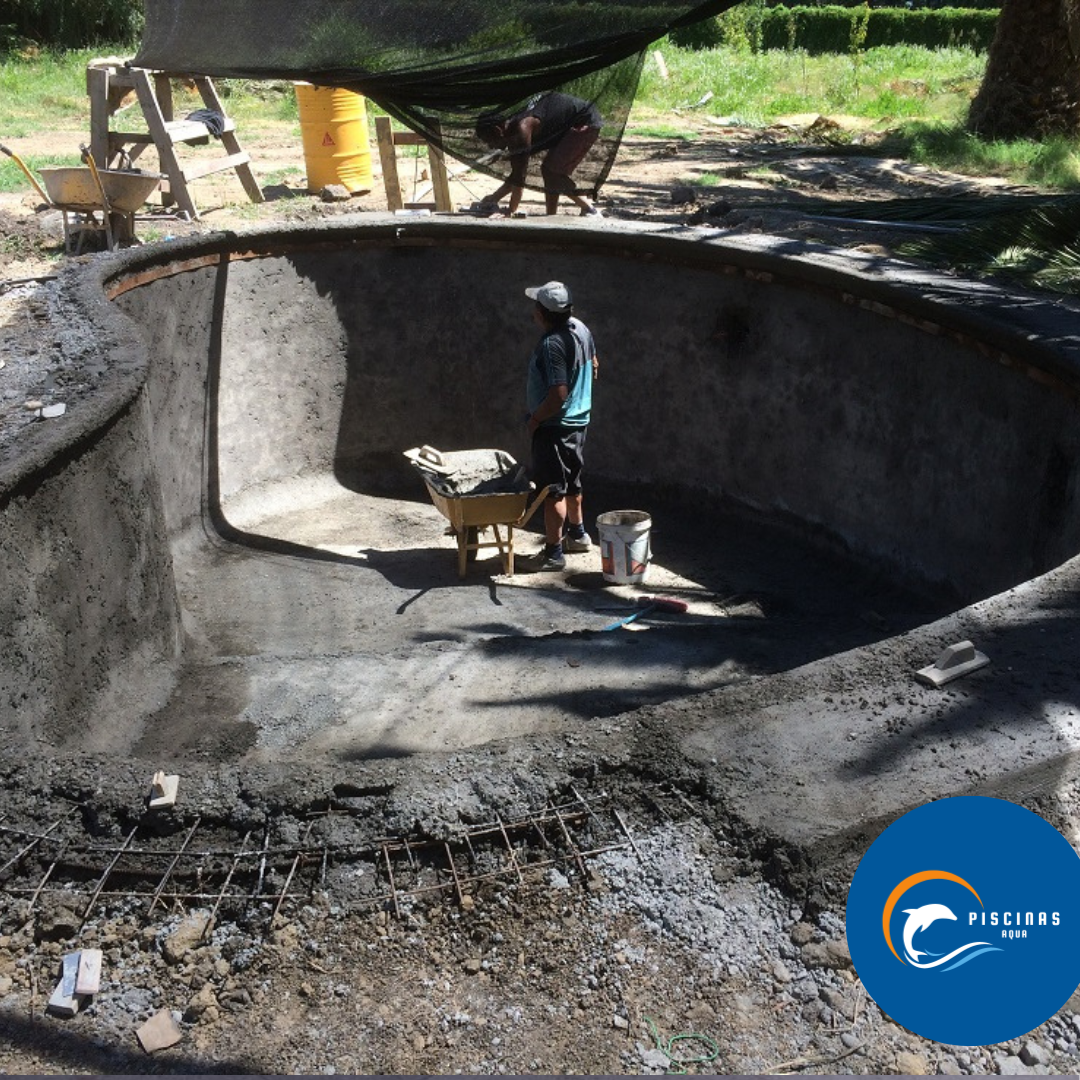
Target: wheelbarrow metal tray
[
  {"x": 72, "y": 187},
  {"x": 475, "y": 489},
  {"x": 469, "y": 511}
]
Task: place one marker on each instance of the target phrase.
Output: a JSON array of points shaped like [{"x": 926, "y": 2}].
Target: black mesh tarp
[{"x": 435, "y": 65}]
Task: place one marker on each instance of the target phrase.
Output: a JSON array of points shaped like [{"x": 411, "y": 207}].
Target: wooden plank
[
  {"x": 208, "y": 168},
  {"x": 439, "y": 182},
  {"x": 186, "y": 130},
  {"x": 408, "y": 138},
  {"x": 163, "y": 93},
  {"x": 88, "y": 979},
  {"x": 155, "y": 120},
  {"x": 243, "y": 168},
  {"x": 191, "y": 129},
  {"x": 137, "y": 138},
  {"x": 208, "y": 92},
  {"x": 385, "y": 136},
  {"x": 97, "y": 86}
]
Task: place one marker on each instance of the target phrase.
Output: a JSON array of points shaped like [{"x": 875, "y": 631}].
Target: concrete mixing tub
[{"x": 902, "y": 416}]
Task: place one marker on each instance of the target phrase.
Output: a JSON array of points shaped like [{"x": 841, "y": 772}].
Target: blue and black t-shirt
[{"x": 563, "y": 357}]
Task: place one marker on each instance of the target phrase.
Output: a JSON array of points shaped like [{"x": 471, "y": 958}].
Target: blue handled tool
[{"x": 651, "y": 603}]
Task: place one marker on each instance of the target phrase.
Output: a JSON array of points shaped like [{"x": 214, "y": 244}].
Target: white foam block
[
  {"x": 163, "y": 790},
  {"x": 88, "y": 981},
  {"x": 63, "y": 1001},
  {"x": 959, "y": 659}
]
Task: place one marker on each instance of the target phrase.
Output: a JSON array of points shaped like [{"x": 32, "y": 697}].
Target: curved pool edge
[{"x": 97, "y": 636}]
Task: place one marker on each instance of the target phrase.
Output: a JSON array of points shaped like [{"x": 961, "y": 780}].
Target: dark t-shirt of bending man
[{"x": 563, "y": 128}]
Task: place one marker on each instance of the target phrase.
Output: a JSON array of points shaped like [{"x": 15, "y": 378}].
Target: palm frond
[{"x": 1035, "y": 241}]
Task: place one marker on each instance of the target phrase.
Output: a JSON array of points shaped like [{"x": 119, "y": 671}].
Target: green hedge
[
  {"x": 836, "y": 29},
  {"x": 70, "y": 24},
  {"x": 981, "y": 5}
]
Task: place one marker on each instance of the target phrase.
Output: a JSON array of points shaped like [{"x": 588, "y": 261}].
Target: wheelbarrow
[
  {"x": 86, "y": 191},
  {"x": 476, "y": 490}
]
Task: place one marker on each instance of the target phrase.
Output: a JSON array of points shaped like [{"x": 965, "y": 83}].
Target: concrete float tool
[{"x": 650, "y": 603}]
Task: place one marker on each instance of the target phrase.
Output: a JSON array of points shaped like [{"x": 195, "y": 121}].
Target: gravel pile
[{"x": 682, "y": 940}]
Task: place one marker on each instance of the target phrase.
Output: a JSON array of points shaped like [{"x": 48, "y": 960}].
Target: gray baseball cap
[{"x": 554, "y": 296}]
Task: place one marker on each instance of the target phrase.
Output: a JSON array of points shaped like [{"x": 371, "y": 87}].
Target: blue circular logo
[{"x": 963, "y": 921}]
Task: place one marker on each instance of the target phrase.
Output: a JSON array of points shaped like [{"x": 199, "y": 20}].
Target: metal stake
[
  {"x": 172, "y": 866},
  {"x": 228, "y": 878},
  {"x": 104, "y": 876}
]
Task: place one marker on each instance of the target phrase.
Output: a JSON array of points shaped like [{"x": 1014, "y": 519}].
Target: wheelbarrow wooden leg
[
  {"x": 506, "y": 548},
  {"x": 462, "y": 551}
]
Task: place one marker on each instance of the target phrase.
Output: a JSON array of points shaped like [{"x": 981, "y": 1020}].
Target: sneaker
[
  {"x": 542, "y": 560},
  {"x": 575, "y": 545},
  {"x": 595, "y": 212}
]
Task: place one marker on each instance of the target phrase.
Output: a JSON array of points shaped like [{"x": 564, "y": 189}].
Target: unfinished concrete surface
[
  {"x": 220, "y": 564},
  {"x": 221, "y": 551}
]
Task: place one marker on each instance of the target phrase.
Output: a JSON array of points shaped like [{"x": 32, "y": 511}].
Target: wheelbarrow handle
[
  {"x": 89, "y": 159},
  {"x": 29, "y": 175},
  {"x": 533, "y": 507}
]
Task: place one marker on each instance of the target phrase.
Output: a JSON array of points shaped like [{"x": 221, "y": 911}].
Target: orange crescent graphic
[{"x": 907, "y": 883}]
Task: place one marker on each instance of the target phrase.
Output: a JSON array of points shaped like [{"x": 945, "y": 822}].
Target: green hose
[{"x": 679, "y": 1063}]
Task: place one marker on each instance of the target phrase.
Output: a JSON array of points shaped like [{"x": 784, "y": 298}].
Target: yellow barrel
[{"x": 333, "y": 123}]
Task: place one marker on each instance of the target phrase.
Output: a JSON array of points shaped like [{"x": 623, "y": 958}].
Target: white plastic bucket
[{"x": 625, "y": 552}]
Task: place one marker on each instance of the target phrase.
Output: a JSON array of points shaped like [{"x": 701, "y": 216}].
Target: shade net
[{"x": 436, "y": 66}]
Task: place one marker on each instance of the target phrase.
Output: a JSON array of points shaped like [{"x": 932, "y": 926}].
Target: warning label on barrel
[{"x": 328, "y": 139}]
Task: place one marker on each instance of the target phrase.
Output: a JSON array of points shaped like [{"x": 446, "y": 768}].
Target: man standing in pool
[
  {"x": 561, "y": 127},
  {"x": 559, "y": 399}
]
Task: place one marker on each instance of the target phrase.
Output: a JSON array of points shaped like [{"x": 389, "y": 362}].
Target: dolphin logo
[
  {"x": 919, "y": 919},
  {"x": 922, "y": 917}
]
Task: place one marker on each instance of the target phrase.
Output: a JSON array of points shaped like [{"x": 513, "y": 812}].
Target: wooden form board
[{"x": 389, "y": 140}]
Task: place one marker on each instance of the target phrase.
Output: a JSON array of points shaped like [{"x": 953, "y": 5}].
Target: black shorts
[{"x": 558, "y": 456}]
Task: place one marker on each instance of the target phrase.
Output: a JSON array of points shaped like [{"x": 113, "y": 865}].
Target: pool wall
[{"x": 904, "y": 416}]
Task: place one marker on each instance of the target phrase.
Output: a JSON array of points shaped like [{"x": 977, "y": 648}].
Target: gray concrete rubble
[{"x": 218, "y": 563}]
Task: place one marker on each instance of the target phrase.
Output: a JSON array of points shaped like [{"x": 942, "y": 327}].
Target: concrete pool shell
[{"x": 220, "y": 553}]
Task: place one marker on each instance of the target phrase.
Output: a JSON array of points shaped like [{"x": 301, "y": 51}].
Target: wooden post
[
  {"x": 388, "y": 156},
  {"x": 439, "y": 182}
]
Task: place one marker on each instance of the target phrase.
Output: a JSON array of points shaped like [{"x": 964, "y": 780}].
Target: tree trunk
[{"x": 1032, "y": 84}]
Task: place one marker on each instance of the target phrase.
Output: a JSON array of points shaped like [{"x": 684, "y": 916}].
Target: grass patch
[
  {"x": 12, "y": 178},
  {"x": 660, "y": 131},
  {"x": 919, "y": 96},
  {"x": 46, "y": 92},
  {"x": 254, "y": 101},
  {"x": 1054, "y": 163},
  {"x": 758, "y": 87},
  {"x": 279, "y": 176}
]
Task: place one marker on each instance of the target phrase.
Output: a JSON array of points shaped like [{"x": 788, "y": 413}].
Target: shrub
[
  {"x": 918, "y": 5},
  {"x": 738, "y": 27},
  {"x": 72, "y": 24},
  {"x": 833, "y": 29}
]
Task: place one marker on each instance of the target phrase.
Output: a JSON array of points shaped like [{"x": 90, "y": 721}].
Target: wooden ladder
[
  {"x": 389, "y": 140},
  {"x": 109, "y": 83}
]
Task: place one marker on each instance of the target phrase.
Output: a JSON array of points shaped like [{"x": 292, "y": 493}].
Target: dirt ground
[{"x": 682, "y": 925}]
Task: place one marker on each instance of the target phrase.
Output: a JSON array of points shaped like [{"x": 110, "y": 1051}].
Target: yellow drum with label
[{"x": 333, "y": 124}]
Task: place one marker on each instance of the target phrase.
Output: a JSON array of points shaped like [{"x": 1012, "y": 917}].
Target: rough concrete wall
[
  {"x": 904, "y": 445},
  {"x": 282, "y": 377},
  {"x": 179, "y": 317},
  {"x": 88, "y": 611},
  {"x": 753, "y": 370}
]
